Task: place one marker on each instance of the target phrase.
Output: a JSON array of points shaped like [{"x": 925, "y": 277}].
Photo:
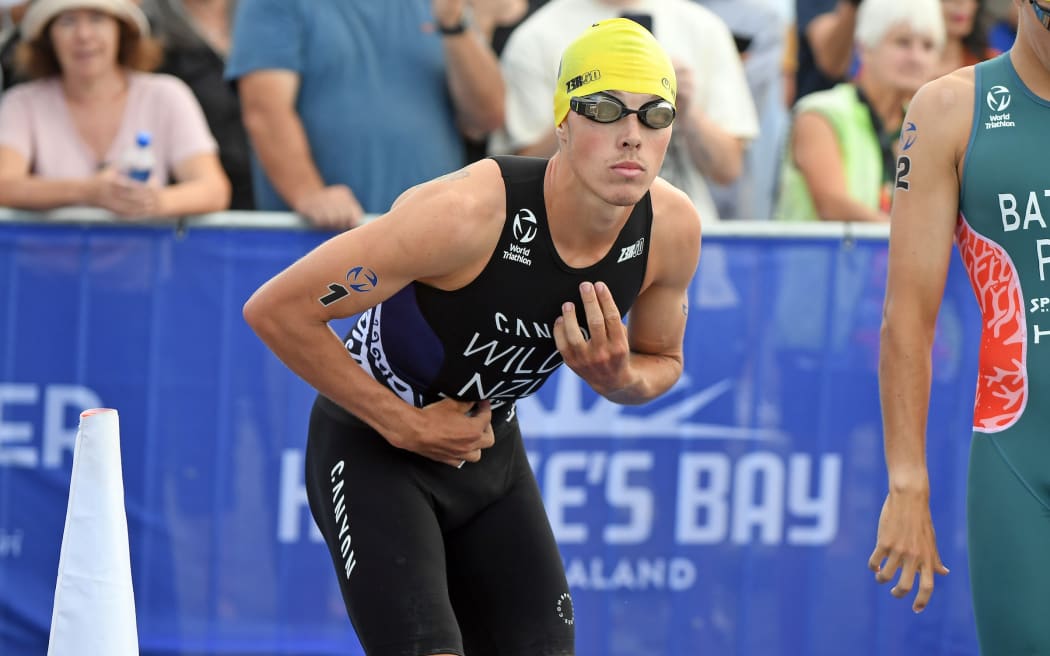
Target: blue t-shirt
[{"x": 373, "y": 94}]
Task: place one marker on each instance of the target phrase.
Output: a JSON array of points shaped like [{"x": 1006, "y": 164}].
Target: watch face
[{"x": 458, "y": 28}]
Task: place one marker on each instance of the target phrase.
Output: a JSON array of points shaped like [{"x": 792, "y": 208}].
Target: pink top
[{"x": 35, "y": 121}]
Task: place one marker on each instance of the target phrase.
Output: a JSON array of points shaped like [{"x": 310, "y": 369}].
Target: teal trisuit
[{"x": 1003, "y": 235}]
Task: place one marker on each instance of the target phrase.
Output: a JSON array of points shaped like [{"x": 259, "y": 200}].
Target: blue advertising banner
[{"x": 733, "y": 516}]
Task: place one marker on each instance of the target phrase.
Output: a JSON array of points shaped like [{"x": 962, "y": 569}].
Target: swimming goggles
[
  {"x": 1041, "y": 14},
  {"x": 601, "y": 108}
]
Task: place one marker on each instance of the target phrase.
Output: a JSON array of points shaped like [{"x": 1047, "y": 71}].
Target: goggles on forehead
[
  {"x": 1041, "y": 14},
  {"x": 655, "y": 114}
]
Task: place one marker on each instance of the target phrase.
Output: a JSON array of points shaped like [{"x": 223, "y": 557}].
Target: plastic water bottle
[{"x": 139, "y": 161}]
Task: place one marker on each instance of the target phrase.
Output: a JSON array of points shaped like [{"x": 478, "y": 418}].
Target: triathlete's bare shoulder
[
  {"x": 675, "y": 235},
  {"x": 943, "y": 110},
  {"x": 452, "y": 222}
]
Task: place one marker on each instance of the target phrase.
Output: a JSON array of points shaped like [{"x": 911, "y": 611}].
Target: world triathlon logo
[
  {"x": 908, "y": 135},
  {"x": 998, "y": 98},
  {"x": 362, "y": 279},
  {"x": 359, "y": 279},
  {"x": 525, "y": 226}
]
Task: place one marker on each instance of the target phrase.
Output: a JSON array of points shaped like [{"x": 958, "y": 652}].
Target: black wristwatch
[{"x": 458, "y": 28}]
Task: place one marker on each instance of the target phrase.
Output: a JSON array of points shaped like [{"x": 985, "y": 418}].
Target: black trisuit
[{"x": 432, "y": 559}]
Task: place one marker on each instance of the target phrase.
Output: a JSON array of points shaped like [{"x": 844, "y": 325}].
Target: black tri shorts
[{"x": 432, "y": 559}]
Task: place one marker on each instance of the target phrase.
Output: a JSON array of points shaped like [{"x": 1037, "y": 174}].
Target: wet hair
[
  {"x": 37, "y": 59},
  {"x": 875, "y": 18}
]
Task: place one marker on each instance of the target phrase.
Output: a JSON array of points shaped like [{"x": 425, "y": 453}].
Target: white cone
[{"x": 94, "y": 613}]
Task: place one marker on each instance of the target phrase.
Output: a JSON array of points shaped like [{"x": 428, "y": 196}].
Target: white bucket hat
[{"x": 41, "y": 12}]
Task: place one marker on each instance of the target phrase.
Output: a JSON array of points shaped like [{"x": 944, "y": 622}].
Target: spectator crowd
[{"x": 787, "y": 109}]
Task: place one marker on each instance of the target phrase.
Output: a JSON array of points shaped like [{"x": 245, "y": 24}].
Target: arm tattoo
[
  {"x": 338, "y": 292},
  {"x": 909, "y": 135},
  {"x": 358, "y": 279}
]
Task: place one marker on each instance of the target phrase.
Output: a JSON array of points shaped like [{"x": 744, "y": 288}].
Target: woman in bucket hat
[{"x": 65, "y": 135}]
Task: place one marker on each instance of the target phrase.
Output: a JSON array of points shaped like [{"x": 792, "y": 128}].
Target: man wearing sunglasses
[
  {"x": 973, "y": 169},
  {"x": 472, "y": 290}
]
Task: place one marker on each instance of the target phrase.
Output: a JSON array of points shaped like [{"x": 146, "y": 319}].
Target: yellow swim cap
[{"x": 616, "y": 54}]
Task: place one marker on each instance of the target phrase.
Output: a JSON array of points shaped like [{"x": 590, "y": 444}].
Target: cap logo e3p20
[{"x": 580, "y": 80}]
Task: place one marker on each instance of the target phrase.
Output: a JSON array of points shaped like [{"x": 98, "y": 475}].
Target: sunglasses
[
  {"x": 655, "y": 114},
  {"x": 1042, "y": 15}
]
